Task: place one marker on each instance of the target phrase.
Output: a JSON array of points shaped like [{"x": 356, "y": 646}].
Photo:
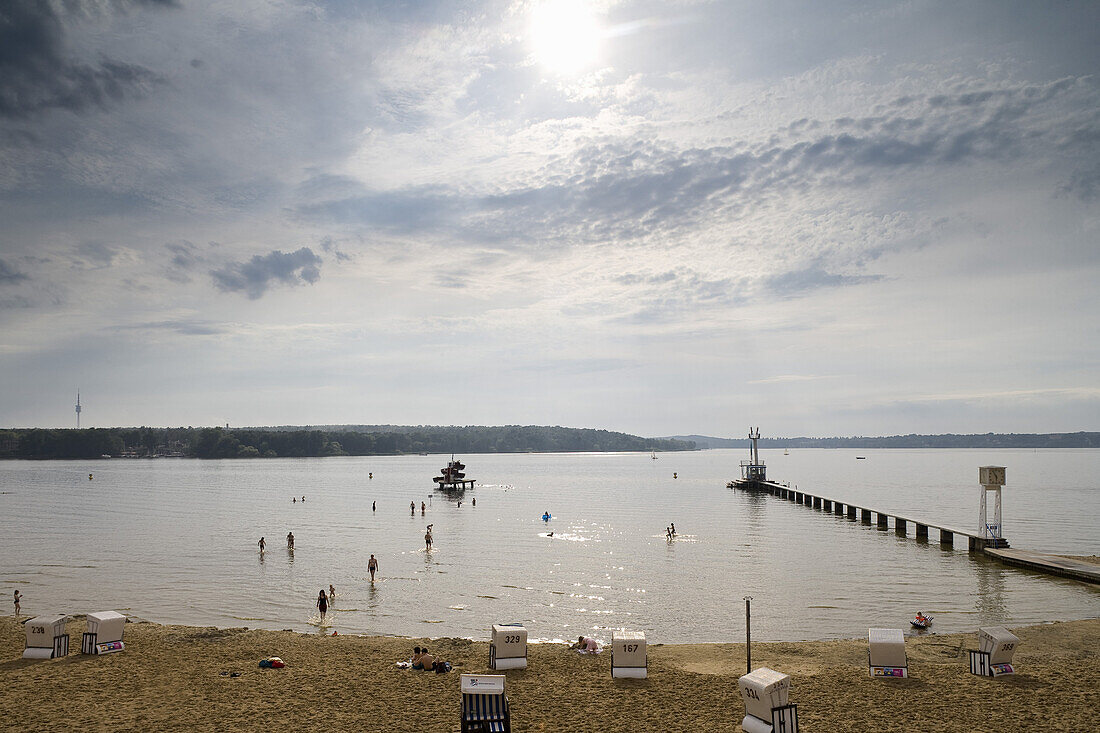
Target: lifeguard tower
[{"x": 992, "y": 478}]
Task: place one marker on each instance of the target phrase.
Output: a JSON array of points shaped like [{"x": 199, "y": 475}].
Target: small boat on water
[
  {"x": 861, "y": 458},
  {"x": 653, "y": 456}
]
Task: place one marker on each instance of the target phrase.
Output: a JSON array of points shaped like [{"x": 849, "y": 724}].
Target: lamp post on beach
[{"x": 748, "y": 636}]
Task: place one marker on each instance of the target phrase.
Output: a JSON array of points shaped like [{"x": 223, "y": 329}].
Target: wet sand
[{"x": 170, "y": 677}]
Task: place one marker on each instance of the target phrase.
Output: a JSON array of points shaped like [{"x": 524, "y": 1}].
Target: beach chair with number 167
[{"x": 484, "y": 704}]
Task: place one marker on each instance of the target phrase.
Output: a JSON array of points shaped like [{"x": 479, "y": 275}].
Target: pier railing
[{"x": 866, "y": 515}]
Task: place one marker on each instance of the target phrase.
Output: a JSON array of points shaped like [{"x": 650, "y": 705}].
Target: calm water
[{"x": 174, "y": 541}]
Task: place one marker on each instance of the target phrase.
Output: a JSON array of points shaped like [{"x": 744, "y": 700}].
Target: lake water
[{"x": 174, "y": 541}]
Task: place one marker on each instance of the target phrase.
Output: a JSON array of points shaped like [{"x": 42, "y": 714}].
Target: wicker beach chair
[{"x": 484, "y": 704}]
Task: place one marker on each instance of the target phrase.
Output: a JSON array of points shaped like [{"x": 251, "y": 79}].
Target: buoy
[{"x": 89, "y": 477}]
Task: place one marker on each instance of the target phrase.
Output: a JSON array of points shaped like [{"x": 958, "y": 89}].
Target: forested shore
[{"x": 281, "y": 442}]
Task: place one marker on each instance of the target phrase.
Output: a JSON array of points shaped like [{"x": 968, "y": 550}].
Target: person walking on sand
[
  {"x": 262, "y": 545},
  {"x": 372, "y": 566},
  {"x": 290, "y": 540},
  {"x": 18, "y": 597},
  {"x": 322, "y": 604}
]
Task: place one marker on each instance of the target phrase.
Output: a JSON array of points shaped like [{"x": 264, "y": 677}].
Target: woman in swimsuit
[{"x": 322, "y": 604}]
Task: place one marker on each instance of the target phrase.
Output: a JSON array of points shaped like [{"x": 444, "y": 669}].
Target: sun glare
[{"x": 565, "y": 35}]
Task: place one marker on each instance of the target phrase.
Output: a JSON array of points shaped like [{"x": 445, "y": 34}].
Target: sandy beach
[{"x": 175, "y": 677}]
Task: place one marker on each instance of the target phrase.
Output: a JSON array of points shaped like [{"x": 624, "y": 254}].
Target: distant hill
[{"x": 947, "y": 440}]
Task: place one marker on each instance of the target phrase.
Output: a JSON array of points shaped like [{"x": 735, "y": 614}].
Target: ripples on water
[{"x": 175, "y": 541}]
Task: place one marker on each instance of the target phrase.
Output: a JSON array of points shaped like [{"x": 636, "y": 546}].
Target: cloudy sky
[{"x": 658, "y": 217}]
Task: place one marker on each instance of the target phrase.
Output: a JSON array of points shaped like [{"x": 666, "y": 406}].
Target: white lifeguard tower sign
[{"x": 992, "y": 478}]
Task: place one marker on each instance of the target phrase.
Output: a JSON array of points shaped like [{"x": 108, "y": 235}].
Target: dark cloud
[
  {"x": 184, "y": 326},
  {"x": 254, "y": 277},
  {"x": 797, "y": 283},
  {"x": 9, "y": 275},
  {"x": 96, "y": 254},
  {"x": 36, "y": 74},
  {"x": 185, "y": 259}
]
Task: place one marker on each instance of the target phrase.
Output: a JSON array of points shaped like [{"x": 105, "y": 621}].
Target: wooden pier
[{"x": 995, "y": 548}]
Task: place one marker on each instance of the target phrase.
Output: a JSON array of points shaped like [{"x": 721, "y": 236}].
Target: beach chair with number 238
[{"x": 484, "y": 704}]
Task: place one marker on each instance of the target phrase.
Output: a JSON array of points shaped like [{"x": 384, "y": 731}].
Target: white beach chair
[
  {"x": 104, "y": 633},
  {"x": 628, "y": 654},
  {"x": 484, "y": 704},
  {"x": 508, "y": 647},
  {"x": 764, "y": 692},
  {"x": 993, "y": 657},
  {"x": 886, "y": 654},
  {"x": 46, "y": 637}
]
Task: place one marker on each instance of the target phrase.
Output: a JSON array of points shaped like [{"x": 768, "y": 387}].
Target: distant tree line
[
  {"x": 949, "y": 440},
  {"x": 295, "y": 442}
]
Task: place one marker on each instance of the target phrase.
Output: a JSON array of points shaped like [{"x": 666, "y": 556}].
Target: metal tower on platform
[
  {"x": 753, "y": 469},
  {"x": 78, "y": 409}
]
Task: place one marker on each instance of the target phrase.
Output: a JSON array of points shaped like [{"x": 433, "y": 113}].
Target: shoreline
[{"x": 170, "y": 677}]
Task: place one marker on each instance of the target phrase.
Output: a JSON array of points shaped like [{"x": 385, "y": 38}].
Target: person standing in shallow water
[
  {"x": 290, "y": 540},
  {"x": 322, "y": 604},
  {"x": 428, "y": 538},
  {"x": 372, "y": 566},
  {"x": 18, "y": 597},
  {"x": 262, "y": 545}
]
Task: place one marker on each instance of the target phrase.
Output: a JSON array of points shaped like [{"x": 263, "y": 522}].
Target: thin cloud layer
[{"x": 877, "y": 199}]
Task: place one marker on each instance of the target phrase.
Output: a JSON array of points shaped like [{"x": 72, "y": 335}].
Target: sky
[{"x": 661, "y": 217}]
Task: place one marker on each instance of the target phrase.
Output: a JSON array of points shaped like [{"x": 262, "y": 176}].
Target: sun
[{"x": 565, "y": 35}]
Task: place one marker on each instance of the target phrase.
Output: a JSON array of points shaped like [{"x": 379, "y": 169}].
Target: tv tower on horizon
[{"x": 78, "y": 409}]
